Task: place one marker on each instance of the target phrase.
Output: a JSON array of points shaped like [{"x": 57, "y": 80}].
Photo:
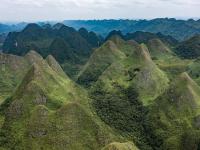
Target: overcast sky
[{"x": 41, "y": 10}]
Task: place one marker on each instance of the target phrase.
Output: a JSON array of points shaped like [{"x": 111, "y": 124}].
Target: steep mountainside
[
  {"x": 177, "y": 112},
  {"x": 49, "y": 111},
  {"x": 124, "y": 90},
  {"x": 12, "y": 70},
  {"x": 189, "y": 48},
  {"x": 102, "y": 58}
]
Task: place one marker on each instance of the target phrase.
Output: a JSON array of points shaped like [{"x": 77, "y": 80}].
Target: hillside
[
  {"x": 177, "y": 112},
  {"x": 48, "y": 110},
  {"x": 101, "y": 59},
  {"x": 124, "y": 91},
  {"x": 62, "y": 88},
  {"x": 12, "y": 70}
]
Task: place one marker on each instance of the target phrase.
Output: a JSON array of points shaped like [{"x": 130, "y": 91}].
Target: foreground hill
[
  {"x": 177, "y": 112},
  {"x": 124, "y": 90},
  {"x": 49, "y": 111}
]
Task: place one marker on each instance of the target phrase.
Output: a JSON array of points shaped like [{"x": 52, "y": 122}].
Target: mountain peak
[
  {"x": 33, "y": 57},
  {"x": 54, "y": 65},
  {"x": 32, "y": 27},
  {"x": 142, "y": 53},
  {"x": 157, "y": 46},
  {"x": 57, "y": 26},
  {"x": 113, "y": 34}
]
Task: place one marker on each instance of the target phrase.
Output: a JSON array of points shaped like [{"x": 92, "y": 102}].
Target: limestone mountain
[
  {"x": 102, "y": 58},
  {"x": 124, "y": 90},
  {"x": 177, "y": 113},
  {"x": 12, "y": 70},
  {"x": 66, "y": 44},
  {"x": 49, "y": 111}
]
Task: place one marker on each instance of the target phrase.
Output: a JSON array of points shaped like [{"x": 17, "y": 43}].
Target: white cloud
[{"x": 27, "y": 10}]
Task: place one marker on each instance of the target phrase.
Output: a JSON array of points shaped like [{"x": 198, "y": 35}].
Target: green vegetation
[
  {"x": 49, "y": 111},
  {"x": 135, "y": 91},
  {"x": 70, "y": 47},
  {"x": 101, "y": 59},
  {"x": 189, "y": 48},
  {"x": 120, "y": 146}
]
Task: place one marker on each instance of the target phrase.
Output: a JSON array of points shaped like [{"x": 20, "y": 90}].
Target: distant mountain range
[{"x": 179, "y": 29}]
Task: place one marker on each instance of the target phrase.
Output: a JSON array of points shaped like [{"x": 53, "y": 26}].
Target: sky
[{"x": 44, "y": 10}]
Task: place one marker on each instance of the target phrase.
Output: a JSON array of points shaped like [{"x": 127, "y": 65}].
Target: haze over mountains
[{"x": 119, "y": 88}]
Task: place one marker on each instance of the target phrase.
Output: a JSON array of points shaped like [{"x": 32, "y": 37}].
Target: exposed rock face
[
  {"x": 54, "y": 65},
  {"x": 40, "y": 100},
  {"x": 15, "y": 110}
]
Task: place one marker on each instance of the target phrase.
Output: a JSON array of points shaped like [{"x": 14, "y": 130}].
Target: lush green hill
[
  {"x": 165, "y": 58},
  {"x": 137, "y": 69},
  {"x": 174, "y": 116},
  {"x": 124, "y": 91},
  {"x": 101, "y": 59},
  {"x": 135, "y": 90},
  {"x": 49, "y": 111}
]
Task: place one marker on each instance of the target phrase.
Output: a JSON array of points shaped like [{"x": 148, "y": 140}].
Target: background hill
[
  {"x": 179, "y": 29},
  {"x": 66, "y": 44}
]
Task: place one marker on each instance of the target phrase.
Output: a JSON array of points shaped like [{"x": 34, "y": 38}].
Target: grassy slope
[
  {"x": 50, "y": 111},
  {"x": 101, "y": 59},
  {"x": 12, "y": 70},
  {"x": 139, "y": 70},
  {"x": 194, "y": 70},
  {"x": 174, "y": 113},
  {"x": 120, "y": 146},
  {"x": 166, "y": 59}
]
